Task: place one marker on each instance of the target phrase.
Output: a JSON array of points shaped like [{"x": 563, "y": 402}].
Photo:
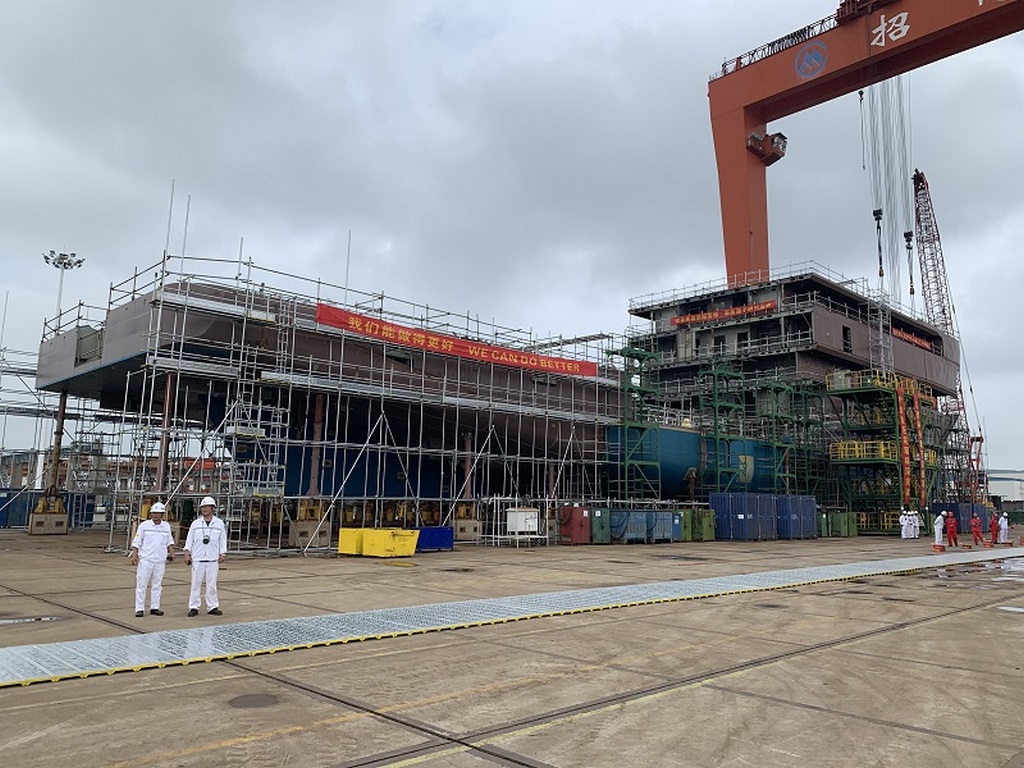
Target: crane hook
[{"x": 878, "y": 229}]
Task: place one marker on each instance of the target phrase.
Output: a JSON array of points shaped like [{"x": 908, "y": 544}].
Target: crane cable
[{"x": 885, "y": 156}]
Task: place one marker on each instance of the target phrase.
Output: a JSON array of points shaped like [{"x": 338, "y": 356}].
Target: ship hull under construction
[{"x": 321, "y": 403}]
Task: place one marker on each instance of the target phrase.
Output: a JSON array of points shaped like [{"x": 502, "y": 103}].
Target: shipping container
[
  {"x": 679, "y": 526},
  {"x": 435, "y": 538},
  {"x": 350, "y": 541},
  {"x": 796, "y": 517},
  {"x": 745, "y": 516},
  {"x": 574, "y": 525},
  {"x": 600, "y": 526},
  {"x": 389, "y": 542},
  {"x": 628, "y": 526},
  {"x": 16, "y": 504},
  {"x": 659, "y": 526},
  {"x": 703, "y": 525},
  {"x": 842, "y": 524}
]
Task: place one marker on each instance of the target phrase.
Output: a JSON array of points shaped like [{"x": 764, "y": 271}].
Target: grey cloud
[{"x": 537, "y": 163}]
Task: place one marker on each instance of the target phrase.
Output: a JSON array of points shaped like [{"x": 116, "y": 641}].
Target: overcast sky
[{"x": 534, "y": 162}]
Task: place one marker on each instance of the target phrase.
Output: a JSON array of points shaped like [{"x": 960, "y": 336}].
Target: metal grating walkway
[{"x": 26, "y": 664}]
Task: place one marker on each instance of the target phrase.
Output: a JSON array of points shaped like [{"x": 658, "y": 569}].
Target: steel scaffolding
[
  {"x": 888, "y": 458},
  {"x": 231, "y": 383}
]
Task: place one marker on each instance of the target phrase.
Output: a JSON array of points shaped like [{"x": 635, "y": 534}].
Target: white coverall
[
  {"x": 1004, "y": 529},
  {"x": 205, "y": 557},
  {"x": 153, "y": 542},
  {"x": 940, "y": 528}
]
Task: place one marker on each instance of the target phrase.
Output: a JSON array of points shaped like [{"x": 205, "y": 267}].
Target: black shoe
[
  {"x": 139, "y": 614},
  {"x": 215, "y": 612},
  {"x": 156, "y": 612},
  {"x": 193, "y": 612}
]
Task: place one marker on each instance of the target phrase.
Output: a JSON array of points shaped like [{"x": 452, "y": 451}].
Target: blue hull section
[{"x": 743, "y": 465}]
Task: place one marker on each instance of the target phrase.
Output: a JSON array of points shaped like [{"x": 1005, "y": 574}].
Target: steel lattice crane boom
[
  {"x": 938, "y": 305},
  {"x": 963, "y": 462}
]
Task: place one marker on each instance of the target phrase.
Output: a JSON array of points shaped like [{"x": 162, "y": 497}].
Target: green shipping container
[
  {"x": 703, "y": 524},
  {"x": 687, "y": 527},
  {"x": 709, "y": 525},
  {"x": 842, "y": 524},
  {"x": 600, "y": 526}
]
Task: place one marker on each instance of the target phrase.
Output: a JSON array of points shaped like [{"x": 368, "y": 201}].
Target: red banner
[
  {"x": 375, "y": 328},
  {"x": 723, "y": 314},
  {"x": 910, "y": 338}
]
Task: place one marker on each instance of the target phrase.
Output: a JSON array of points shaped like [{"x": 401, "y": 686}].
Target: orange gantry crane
[{"x": 863, "y": 43}]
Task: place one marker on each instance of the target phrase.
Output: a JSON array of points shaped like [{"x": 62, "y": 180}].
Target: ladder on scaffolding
[
  {"x": 256, "y": 436},
  {"x": 880, "y": 333}
]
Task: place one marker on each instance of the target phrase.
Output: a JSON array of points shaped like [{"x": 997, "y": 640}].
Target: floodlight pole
[{"x": 62, "y": 262}]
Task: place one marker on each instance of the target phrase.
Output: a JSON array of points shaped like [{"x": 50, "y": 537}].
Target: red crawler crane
[{"x": 963, "y": 464}]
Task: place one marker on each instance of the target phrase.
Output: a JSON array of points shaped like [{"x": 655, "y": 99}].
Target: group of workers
[
  {"x": 998, "y": 526},
  {"x": 910, "y": 524},
  {"x": 946, "y": 525},
  {"x": 153, "y": 547}
]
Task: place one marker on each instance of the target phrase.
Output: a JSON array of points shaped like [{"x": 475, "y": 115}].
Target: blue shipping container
[
  {"x": 797, "y": 517},
  {"x": 629, "y": 525},
  {"x": 659, "y": 526},
  {"x": 434, "y": 538},
  {"x": 745, "y": 516}
]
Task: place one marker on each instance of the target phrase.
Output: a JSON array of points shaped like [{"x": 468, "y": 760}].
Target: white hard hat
[
  {"x": 1005, "y": 515},
  {"x": 208, "y": 502},
  {"x": 157, "y": 509},
  {"x": 943, "y": 513}
]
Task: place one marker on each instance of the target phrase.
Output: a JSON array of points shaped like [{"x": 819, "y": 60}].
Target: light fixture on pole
[{"x": 62, "y": 262}]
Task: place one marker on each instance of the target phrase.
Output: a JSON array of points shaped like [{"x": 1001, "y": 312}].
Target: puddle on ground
[
  {"x": 253, "y": 700},
  {"x": 993, "y": 567}
]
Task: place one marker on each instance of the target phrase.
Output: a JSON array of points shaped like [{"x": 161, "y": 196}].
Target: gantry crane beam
[{"x": 867, "y": 41}]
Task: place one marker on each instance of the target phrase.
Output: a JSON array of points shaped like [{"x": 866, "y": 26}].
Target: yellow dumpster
[
  {"x": 389, "y": 542},
  {"x": 350, "y": 541}
]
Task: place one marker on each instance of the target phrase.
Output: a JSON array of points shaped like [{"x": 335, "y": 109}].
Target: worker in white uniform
[
  {"x": 940, "y": 527},
  {"x": 205, "y": 547},
  {"x": 1004, "y": 528},
  {"x": 152, "y": 547},
  {"x": 904, "y": 524}
]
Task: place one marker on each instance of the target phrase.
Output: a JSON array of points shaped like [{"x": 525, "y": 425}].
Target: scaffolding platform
[
  {"x": 265, "y": 390},
  {"x": 51, "y": 662}
]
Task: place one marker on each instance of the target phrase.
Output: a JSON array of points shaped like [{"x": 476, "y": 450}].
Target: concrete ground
[{"x": 914, "y": 670}]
